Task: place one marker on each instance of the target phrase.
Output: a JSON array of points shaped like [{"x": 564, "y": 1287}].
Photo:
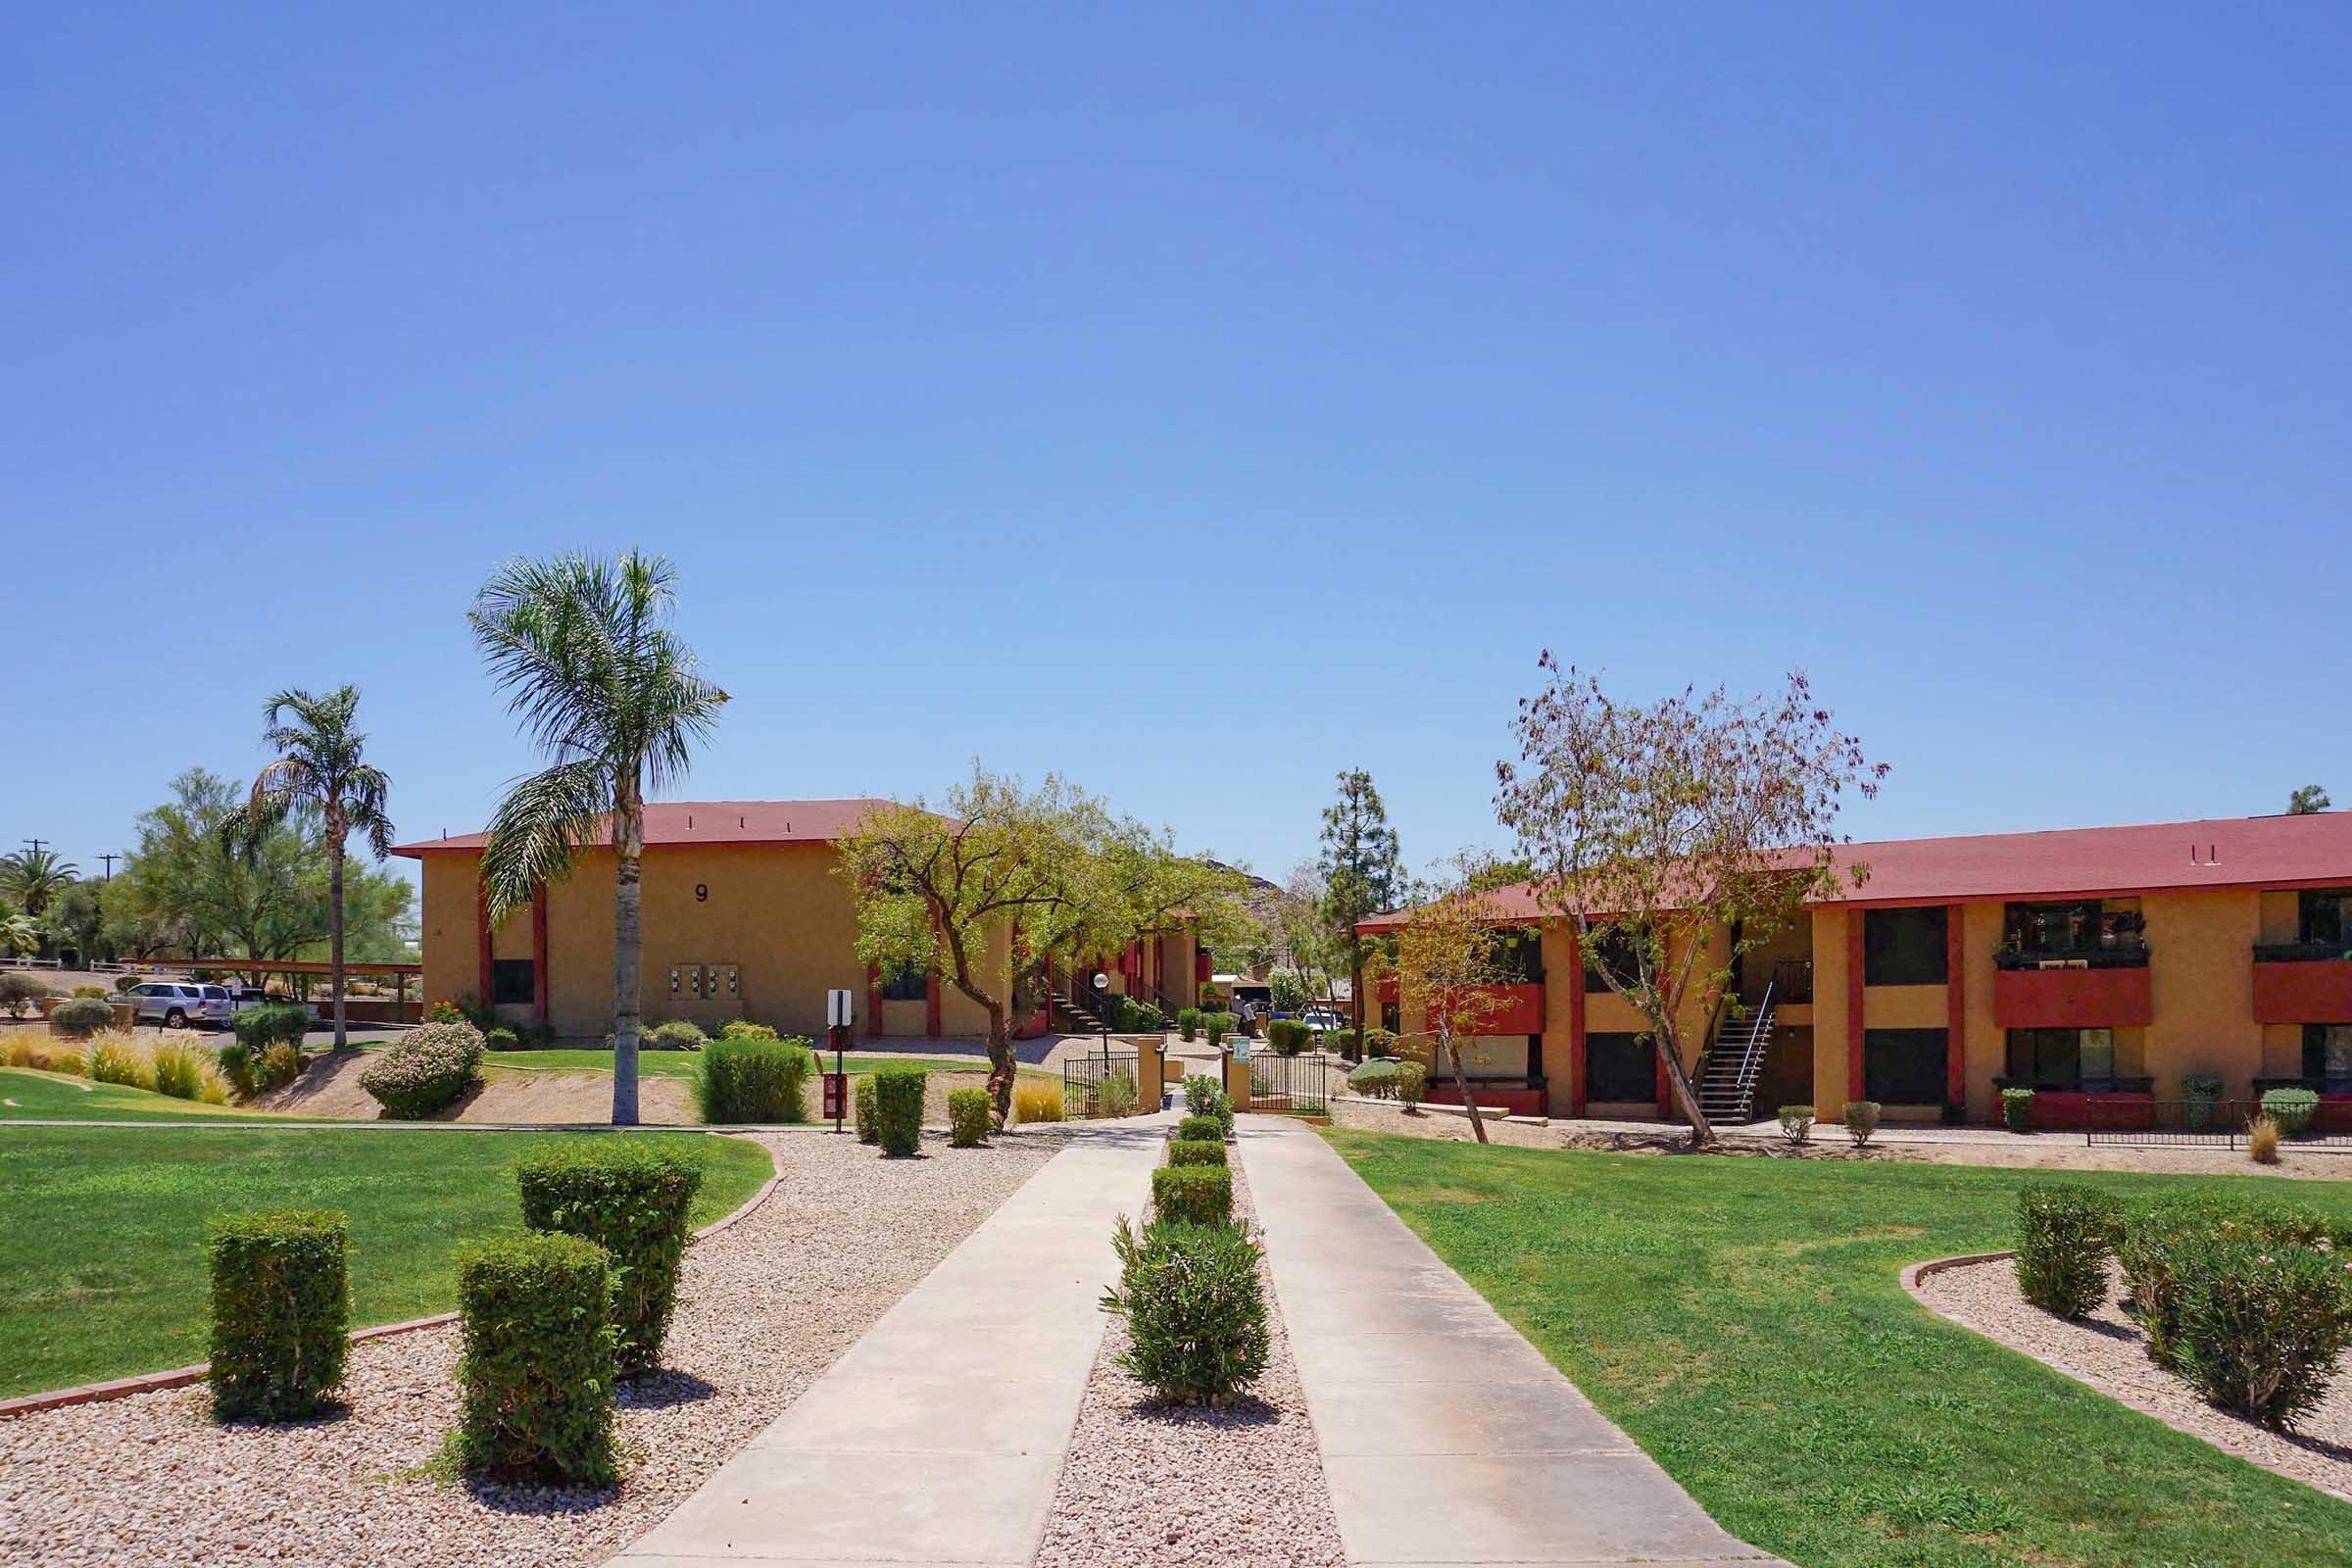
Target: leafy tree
[
  {"x": 322, "y": 770},
  {"x": 189, "y": 887},
  {"x": 32, "y": 877},
  {"x": 1305, "y": 949},
  {"x": 1362, "y": 874},
  {"x": 76, "y": 920},
  {"x": 1448, "y": 967},
  {"x": 19, "y": 933},
  {"x": 2308, "y": 801},
  {"x": 1651, "y": 828},
  {"x": 605, "y": 688}
]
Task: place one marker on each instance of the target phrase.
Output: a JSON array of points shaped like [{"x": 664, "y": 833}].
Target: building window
[
  {"x": 1519, "y": 959},
  {"x": 2327, "y": 1053},
  {"x": 2323, "y": 915},
  {"x": 905, "y": 980},
  {"x": 1620, "y": 1067},
  {"x": 1507, "y": 1058},
  {"x": 2071, "y": 930},
  {"x": 1905, "y": 1067},
  {"x": 1905, "y": 946},
  {"x": 1615, "y": 947},
  {"x": 514, "y": 981},
  {"x": 1392, "y": 1018},
  {"x": 2061, "y": 1058}
]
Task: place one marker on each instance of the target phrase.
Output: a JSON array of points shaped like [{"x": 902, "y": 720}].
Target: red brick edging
[{"x": 179, "y": 1377}]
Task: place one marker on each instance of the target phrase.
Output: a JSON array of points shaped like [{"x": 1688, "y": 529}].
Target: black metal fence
[
  {"x": 2200, "y": 1123},
  {"x": 1102, "y": 1084},
  {"x": 1303, "y": 1083}
]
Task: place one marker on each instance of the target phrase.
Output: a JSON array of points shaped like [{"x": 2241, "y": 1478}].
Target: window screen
[
  {"x": 514, "y": 980},
  {"x": 1903, "y": 1067},
  {"x": 1903, "y": 946},
  {"x": 1620, "y": 1067}
]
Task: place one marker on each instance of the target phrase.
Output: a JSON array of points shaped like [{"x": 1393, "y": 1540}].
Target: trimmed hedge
[
  {"x": 1217, "y": 1026},
  {"x": 676, "y": 1035},
  {"x": 430, "y": 1068},
  {"x": 632, "y": 1200},
  {"x": 1861, "y": 1120},
  {"x": 1188, "y": 1022},
  {"x": 1412, "y": 1083},
  {"x": 740, "y": 1079},
  {"x": 745, "y": 1029},
  {"x": 1287, "y": 1036},
  {"x": 1196, "y": 1309},
  {"x": 1196, "y": 1152},
  {"x": 967, "y": 1117},
  {"x": 2064, "y": 1234},
  {"x": 2293, "y": 1109},
  {"x": 899, "y": 1108},
  {"x": 536, "y": 1359},
  {"x": 279, "y": 1023},
  {"x": 1195, "y": 1128},
  {"x": 870, "y": 1122},
  {"x": 80, "y": 1017},
  {"x": 1192, "y": 1195},
  {"x": 2017, "y": 1109},
  {"x": 282, "y": 1305},
  {"x": 1375, "y": 1079}
]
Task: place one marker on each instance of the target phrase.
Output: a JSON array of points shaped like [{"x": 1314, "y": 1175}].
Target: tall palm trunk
[
  {"x": 334, "y": 922},
  {"x": 628, "y": 948}
]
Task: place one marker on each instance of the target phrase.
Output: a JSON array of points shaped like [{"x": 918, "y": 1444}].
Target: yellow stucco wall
[{"x": 2201, "y": 978}]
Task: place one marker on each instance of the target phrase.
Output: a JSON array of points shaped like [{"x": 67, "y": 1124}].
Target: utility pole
[
  {"x": 110, "y": 860},
  {"x": 37, "y": 843}
]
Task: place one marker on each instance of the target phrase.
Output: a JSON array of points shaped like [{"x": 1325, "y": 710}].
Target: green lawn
[
  {"x": 102, "y": 1267},
  {"x": 1743, "y": 1319},
  {"x": 28, "y": 1095}
]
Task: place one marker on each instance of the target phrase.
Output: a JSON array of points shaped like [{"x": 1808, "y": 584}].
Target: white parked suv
[{"x": 178, "y": 1004}]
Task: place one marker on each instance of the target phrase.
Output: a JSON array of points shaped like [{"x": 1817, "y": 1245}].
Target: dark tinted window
[
  {"x": 1903, "y": 946},
  {"x": 1617, "y": 948},
  {"x": 1620, "y": 1067},
  {"x": 1519, "y": 959},
  {"x": 905, "y": 981},
  {"x": 2061, "y": 1058},
  {"x": 1903, "y": 1067},
  {"x": 514, "y": 980},
  {"x": 2322, "y": 915}
]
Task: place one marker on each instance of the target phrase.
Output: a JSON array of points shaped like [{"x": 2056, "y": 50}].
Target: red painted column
[
  {"x": 1853, "y": 1004},
  {"x": 931, "y": 1006},
  {"x": 1955, "y": 1006},
  {"x": 873, "y": 1002},
  {"x": 539, "y": 954},
  {"x": 1576, "y": 1025},
  {"x": 481, "y": 924}
]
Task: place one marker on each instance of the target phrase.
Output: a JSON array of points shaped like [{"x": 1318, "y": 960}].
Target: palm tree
[
  {"x": 19, "y": 933},
  {"x": 32, "y": 877},
  {"x": 618, "y": 701},
  {"x": 320, "y": 767}
]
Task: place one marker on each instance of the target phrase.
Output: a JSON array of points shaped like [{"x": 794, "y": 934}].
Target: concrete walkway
[
  {"x": 938, "y": 1436},
  {"x": 1446, "y": 1435}
]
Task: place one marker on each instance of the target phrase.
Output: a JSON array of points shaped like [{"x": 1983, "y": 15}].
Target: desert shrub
[
  {"x": 89, "y": 991},
  {"x": 1127, "y": 1015},
  {"x": 1196, "y": 1152},
  {"x": 115, "y": 1059},
  {"x": 1221, "y": 1108},
  {"x": 237, "y": 1066},
  {"x": 280, "y": 1066},
  {"x": 1195, "y": 1128},
  {"x": 1287, "y": 1036},
  {"x": 20, "y": 994},
  {"x": 69, "y": 1061},
  {"x": 1192, "y": 1195},
  {"x": 1114, "y": 1096},
  {"x": 1188, "y": 1022},
  {"x": 1217, "y": 1026},
  {"x": 967, "y": 1117},
  {"x": 745, "y": 1029},
  {"x": 2151, "y": 1234},
  {"x": 899, "y": 1108},
  {"x": 430, "y": 1068},
  {"x": 80, "y": 1017},
  {"x": 535, "y": 1037},
  {"x": 180, "y": 1070},
  {"x": 1796, "y": 1123},
  {"x": 537, "y": 1359},
  {"x": 124, "y": 983},
  {"x": 861, "y": 1101},
  {"x": 675, "y": 1035},
  {"x": 1379, "y": 1043},
  {"x": 1861, "y": 1120},
  {"x": 1196, "y": 1309},
  {"x": 276, "y": 1023},
  {"x": 2200, "y": 1094},
  {"x": 2293, "y": 1109},
  {"x": 1375, "y": 1079},
  {"x": 1036, "y": 1101},
  {"x": 2262, "y": 1141},
  {"x": 631, "y": 1200},
  {"x": 501, "y": 1037},
  {"x": 2017, "y": 1109},
  {"x": 1412, "y": 1083},
  {"x": 742, "y": 1079},
  {"x": 2064, "y": 1234},
  {"x": 281, "y": 1303},
  {"x": 1199, "y": 1093},
  {"x": 2261, "y": 1324}
]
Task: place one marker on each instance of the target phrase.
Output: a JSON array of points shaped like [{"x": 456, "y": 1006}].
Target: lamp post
[{"x": 1103, "y": 1013}]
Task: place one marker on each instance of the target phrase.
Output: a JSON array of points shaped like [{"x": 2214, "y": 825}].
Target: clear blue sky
[{"x": 1070, "y": 388}]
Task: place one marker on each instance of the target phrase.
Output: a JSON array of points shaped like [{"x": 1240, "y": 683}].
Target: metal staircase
[{"x": 1726, "y": 1090}]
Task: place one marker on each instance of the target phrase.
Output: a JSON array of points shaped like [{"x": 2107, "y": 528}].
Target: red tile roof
[
  {"x": 704, "y": 822},
  {"x": 2230, "y": 851}
]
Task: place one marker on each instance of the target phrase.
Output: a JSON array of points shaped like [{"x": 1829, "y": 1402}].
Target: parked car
[
  {"x": 181, "y": 1004},
  {"x": 1322, "y": 1019}
]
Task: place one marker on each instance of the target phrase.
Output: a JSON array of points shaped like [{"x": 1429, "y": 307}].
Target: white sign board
[
  {"x": 1240, "y": 1045},
  {"x": 838, "y": 1012}
]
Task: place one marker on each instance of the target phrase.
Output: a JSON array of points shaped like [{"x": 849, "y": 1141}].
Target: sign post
[{"x": 839, "y": 1015}]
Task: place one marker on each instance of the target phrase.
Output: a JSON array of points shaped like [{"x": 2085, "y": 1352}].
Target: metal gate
[
  {"x": 1304, "y": 1084},
  {"x": 1102, "y": 1084},
  {"x": 2214, "y": 1123}
]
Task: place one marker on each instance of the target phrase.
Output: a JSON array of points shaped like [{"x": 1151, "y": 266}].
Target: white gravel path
[
  {"x": 2105, "y": 1350},
  {"x": 767, "y": 1306},
  {"x": 1152, "y": 1484}
]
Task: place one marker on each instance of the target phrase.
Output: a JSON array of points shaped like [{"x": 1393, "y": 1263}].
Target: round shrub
[
  {"x": 275, "y": 1023},
  {"x": 1796, "y": 1123},
  {"x": 2063, "y": 1236},
  {"x": 675, "y": 1035},
  {"x": 281, "y": 1303},
  {"x": 1194, "y": 1129},
  {"x": 1217, "y": 1026},
  {"x": 747, "y": 1080},
  {"x": 1861, "y": 1120},
  {"x": 1192, "y": 1195},
  {"x": 1375, "y": 1079},
  {"x": 2150, "y": 1235},
  {"x": 1412, "y": 1083},
  {"x": 632, "y": 1199},
  {"x": 239, "y": 1066},
  {"x": 537, "y": 1359},
  {"x": 89, "y": 991},
  {"x": 1196, "y": 1152},
  {"x": 869, "y": 1121},
  {"x": 80, "y": 1017},
  {"x": 19, "y": 993},
  {"x": 967, "y": 1117},
  {"x": 432, "y": 1069},
  {"x": 1196, "y": 1309},
  {"x": 1287, "y": 1036},
  {"x": 899, "y": 1108},
  {"x": 1188, "y": 1022},
  {"x": 2261, "y": 1324},
  {"x": 2017, "y": 1109},
  {"x": 501, "y": 1037},
  {"x": 2293, "y": 1109},
  {"x": 745, "y": 1029}
]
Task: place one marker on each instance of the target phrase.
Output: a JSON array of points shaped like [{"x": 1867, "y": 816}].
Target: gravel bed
[
  {"x": 1147, "y": 1483},
  {"x": 2105, "y": 1350},
  {"x": 765, "y": 1306}
]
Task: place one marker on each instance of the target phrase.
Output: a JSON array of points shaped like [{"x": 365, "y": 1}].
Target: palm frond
[{"x": 541, "y": 822}]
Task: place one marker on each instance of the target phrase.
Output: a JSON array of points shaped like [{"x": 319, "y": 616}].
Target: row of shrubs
[
  {"x": 1189, "y": 1283},
  {"x": 1132, "y": 1015},
  {"x": 183, "y": 1070},
  {"x": 548, "y": 1320},
  {"x": 1859, "y": 1117},
  {"x": 2250, "y": 1304},
  {"x": 1193, "y": 1022}
]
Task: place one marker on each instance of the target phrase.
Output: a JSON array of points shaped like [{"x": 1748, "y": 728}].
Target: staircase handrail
[{"x": 1751, "y": 1059}]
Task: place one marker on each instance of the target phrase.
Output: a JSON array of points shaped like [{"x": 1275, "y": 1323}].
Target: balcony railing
[
  {"x": 2133, "y": 956},
  {"x": 2300, "y": 951}
]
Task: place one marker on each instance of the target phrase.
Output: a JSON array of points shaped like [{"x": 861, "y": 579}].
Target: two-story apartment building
[{"x": 2098, "y": 966}]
